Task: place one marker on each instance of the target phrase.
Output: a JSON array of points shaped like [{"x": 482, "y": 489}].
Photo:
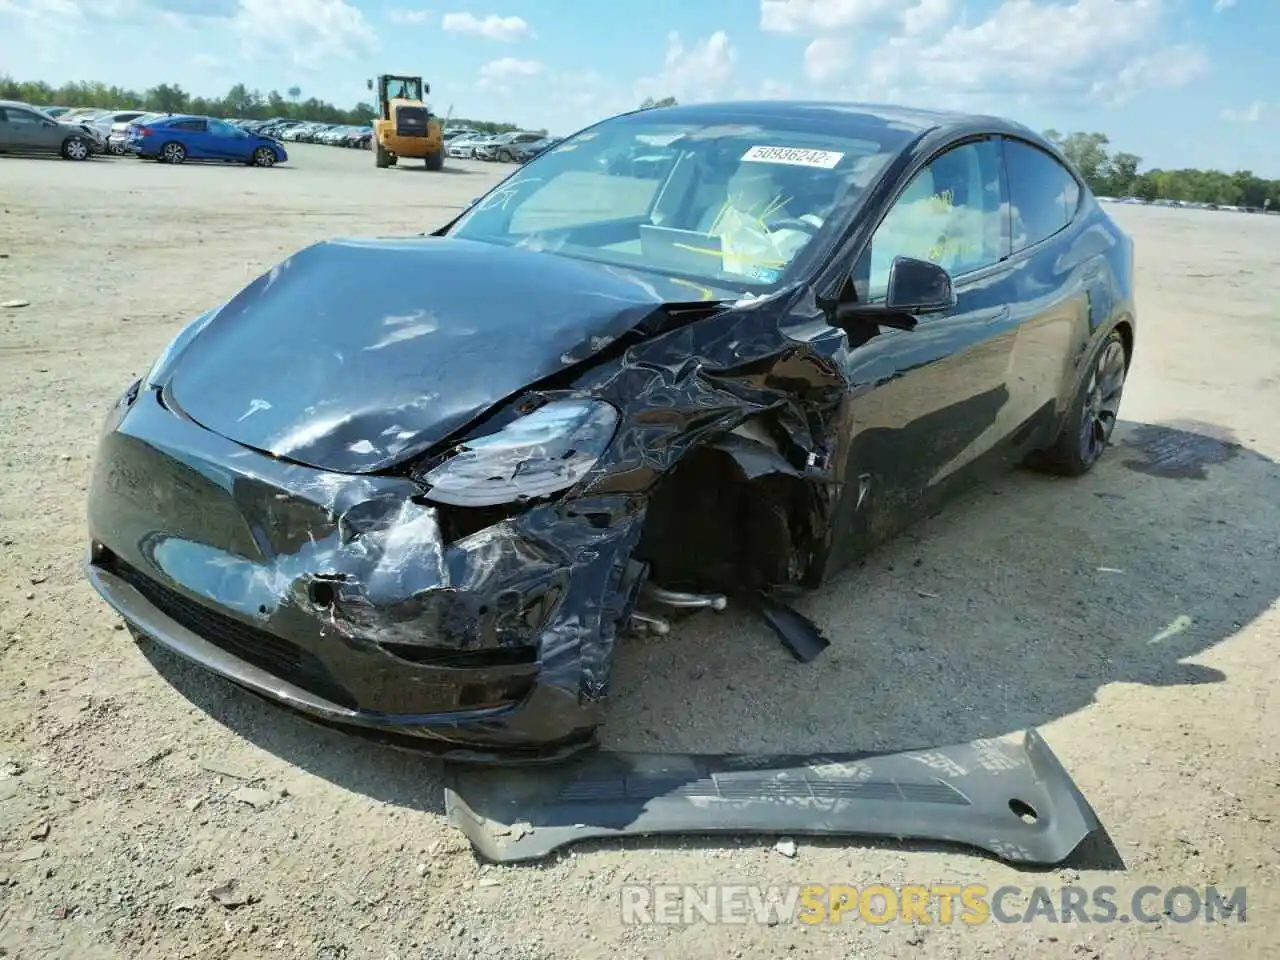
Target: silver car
[{"x": 27, "y": 129}]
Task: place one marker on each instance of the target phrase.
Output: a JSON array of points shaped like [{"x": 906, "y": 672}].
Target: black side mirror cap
[
  {"x": 915, "y": 287},
  {"x": 919, "y": 286}
]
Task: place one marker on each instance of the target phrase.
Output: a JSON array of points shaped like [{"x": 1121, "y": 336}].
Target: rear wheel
[
  {"x": 381, "y": 156},
  {"x": 75, "y": 148},
  {"x": 264, "y": 157},
  {"x": 173, "y": 152},
  {"x": 435, "y": 161},
  {"x": 504, "y": 156},
  {"x": 1093, "y": 414}
]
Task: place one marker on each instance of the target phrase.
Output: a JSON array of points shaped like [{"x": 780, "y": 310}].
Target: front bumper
[{"x": 342, "y": 597}]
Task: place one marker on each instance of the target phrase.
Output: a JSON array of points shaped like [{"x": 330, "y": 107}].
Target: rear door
[
  {"x": 930, "y": 403},
  {"x": 1059, "y": 282},
  {"x": 192, "y": 134}
]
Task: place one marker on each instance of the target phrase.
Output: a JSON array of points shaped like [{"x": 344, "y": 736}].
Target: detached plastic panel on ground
[{"x": 1012, "y": 799}]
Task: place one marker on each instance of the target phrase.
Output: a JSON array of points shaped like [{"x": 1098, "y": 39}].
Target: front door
[
  {"x": 924, "y": 403},
  {"x": 25, "y": 130}
]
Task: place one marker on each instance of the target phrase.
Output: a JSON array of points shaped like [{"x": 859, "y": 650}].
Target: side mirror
[
  {"x": 915, "y": 286},
  {"x": 426, "y": 88},
  {"x": 369, "y": 84}
]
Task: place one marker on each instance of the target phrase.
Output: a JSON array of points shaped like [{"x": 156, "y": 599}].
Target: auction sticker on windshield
[{"x": 795, "y": 156}]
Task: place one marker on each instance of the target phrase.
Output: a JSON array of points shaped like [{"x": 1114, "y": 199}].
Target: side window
[
  {"x": 192, "y": 126},
  {"x": 1043, "y": 195},
  {"x": 950, "y": 213},
  {"x": 220, "y": 129},
  {"x": 23, "y": 117}
]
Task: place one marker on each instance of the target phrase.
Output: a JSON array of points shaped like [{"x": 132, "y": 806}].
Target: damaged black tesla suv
[{"x": 689, "y": 355}]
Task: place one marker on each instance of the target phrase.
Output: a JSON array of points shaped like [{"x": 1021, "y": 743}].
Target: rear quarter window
[{"x": 1043, "y": 194}]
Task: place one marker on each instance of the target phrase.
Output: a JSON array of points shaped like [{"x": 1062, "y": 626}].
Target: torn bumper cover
[
  {"x": 343, "y": 597},
  {"x": 1013, "y": 800}
]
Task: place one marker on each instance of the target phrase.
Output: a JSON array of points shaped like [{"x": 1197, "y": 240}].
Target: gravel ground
[{"x": 1132, "y": 616}]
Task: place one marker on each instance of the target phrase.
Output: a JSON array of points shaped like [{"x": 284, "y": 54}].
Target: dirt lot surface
[{"x": 1132, "y": 616}]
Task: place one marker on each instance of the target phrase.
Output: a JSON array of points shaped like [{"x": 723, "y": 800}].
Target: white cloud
[
  {"x": 492, "y": 27},
  {"x": 204, "y": 61},
  {"x": 410, "y": 17},
  {"x": 31, "y": 10},
  {"x": 700, "y": 72},
  {"x": 1220, "y": 5},
  {"x": 818, "y": 16},
  {"x": 824, "y": 17},
  {"x": 925, "y": 16},
  {"x": 826, "y": 59},
  {"x": 308, "y": 31},
  {"x": 1105, "y": 49},
  {"x": 496, "y": 76},
  {"x": 1250, "y": 114}
]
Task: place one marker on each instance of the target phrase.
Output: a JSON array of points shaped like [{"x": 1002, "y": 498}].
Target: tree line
[
  {"x": 240, "y": 102},
  {"x": 1116, "y": 175}
]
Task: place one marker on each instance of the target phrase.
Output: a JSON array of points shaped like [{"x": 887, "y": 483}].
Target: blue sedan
[{"x": 177, "y": 138}]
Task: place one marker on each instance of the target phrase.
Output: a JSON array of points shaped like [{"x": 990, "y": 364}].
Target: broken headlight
[{"x": 541, "y": 453}]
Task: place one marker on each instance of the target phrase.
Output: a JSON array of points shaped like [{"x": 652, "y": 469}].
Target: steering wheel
[{"x": 791, "y": 223}]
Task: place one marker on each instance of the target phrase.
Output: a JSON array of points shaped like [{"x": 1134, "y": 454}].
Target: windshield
[
  {"x": 733, "y": 204},
  {"x": 404, "y": 89}
]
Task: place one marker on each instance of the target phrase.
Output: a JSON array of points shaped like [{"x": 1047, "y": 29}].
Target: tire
[
  {"x": 115, "y": 149},
  {"x": 382, "y": 156},
  {"x": 173, "y": 152},
  {"x": 264, "y": 157},
  {"x": 76, "y": 148},
  {"x": 1092, "y": 415},
  {"x": 435, "y": 161},
  {"x": 504, "y": 156}
]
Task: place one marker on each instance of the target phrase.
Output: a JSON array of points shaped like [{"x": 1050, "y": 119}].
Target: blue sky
[{"x": 1179, "y": 82}]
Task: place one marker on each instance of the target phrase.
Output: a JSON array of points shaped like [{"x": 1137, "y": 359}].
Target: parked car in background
[
  {"x": 503, "y": 146},
  {"x": 177, "y": 138},
  {"x": 524, "y": 152},
  {"x": 80, "y": 114},
  {"x": 55, "y": 112},
  {"x": 463, "y": 146},
  {"x": 28, "y": 129},
  {"x": 105, "y": 122},
  {"x": 118, "y": 135}
]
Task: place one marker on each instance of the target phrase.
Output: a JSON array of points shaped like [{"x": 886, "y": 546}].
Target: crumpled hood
[{"x": 353, "y": 355}]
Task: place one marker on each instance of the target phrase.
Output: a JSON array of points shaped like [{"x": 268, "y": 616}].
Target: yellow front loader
[{"x": 404, "y": 126}]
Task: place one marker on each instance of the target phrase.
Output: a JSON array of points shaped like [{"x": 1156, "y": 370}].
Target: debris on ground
[
  {"x": 231, "y": 894},
  {"x": 254, "y": 797}
]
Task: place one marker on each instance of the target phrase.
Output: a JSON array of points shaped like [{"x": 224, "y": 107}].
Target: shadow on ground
[
  {"x": 414, "y": 167},
  {"x": 1009, "y": 610}
]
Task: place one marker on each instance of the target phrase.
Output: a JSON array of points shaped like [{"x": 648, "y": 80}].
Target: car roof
[{"x": 842, "y": 116}]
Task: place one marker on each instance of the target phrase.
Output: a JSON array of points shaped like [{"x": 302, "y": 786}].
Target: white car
[
  {"x": 105, "y": 124},
  {"x": 463, "y": 146}
]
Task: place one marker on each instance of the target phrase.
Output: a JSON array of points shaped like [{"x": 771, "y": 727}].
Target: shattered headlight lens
[{"x": 541, "y": 453}]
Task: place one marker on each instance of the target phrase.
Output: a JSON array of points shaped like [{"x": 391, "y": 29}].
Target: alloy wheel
[
  {"x": 1102, "y": 401},
  {"x": 77, "y": 149}
]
